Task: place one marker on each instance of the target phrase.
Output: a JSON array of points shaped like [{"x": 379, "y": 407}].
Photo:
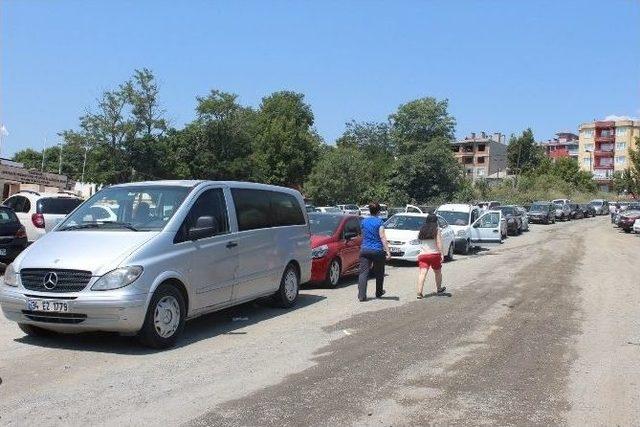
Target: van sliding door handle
[{"x": 232, "y": 245}]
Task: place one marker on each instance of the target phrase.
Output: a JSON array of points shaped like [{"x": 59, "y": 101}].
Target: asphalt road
[{"x": 542, "y": 330}]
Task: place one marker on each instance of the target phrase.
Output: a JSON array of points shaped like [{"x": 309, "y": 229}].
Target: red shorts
[{"x": 430, "y": 260}]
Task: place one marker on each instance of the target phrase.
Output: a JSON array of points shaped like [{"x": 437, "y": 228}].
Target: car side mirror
[
  {"x": 205, "y": 226},
  {"x": 476, "y": 225},
  {"x": 348, "y": 235}
]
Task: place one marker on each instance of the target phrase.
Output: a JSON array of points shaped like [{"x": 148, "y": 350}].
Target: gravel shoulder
[{"x": 527, "y": 337}]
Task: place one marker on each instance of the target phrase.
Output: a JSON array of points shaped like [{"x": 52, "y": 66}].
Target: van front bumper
[{"x": 94, "y": 311}]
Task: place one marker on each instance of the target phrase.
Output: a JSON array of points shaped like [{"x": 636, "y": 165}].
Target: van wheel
[
  {"x": 466, "y": 248},
  {"x": 34, "y": 331},
  {"x": 165, "y": 318},
  {"x": 449, "y": 256},
  {"x": 287, "y": 294},
  {"x": 333, "y": 273}
]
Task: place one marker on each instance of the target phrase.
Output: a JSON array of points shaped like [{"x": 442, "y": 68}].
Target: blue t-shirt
[{"x": 371, "y": 233}]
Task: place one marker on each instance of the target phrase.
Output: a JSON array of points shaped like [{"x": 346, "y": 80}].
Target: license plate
[
  {"x": 3, "y": 252},
  {"x": 393, "y": 249},
  {"x": 48, "y": 305}
]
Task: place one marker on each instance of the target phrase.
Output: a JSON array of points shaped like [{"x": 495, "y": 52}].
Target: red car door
[{"x": 351, "y": 247}]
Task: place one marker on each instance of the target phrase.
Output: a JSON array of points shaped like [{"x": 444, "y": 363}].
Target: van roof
[
  {"x": 195, "y": 183},
  {"x": 455, "y": 207}
]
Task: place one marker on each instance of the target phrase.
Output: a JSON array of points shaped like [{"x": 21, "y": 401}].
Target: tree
[
  {"x": 286, "y": 146},
  {"x": 217, "y": 145},
  {"x": 568, "y": 170},
  {"x": 421, "y": 121},
  {"x": 523, "y": 154},
  {"x": 428, "y": 173},
  {"x": 338, "y": 177}
]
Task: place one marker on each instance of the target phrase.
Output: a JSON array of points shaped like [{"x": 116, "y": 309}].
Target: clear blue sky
[{"x": 504, "y": 65}]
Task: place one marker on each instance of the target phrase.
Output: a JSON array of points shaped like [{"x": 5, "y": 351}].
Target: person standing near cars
[
  {"x": 430, "y": 254},
  {"x": 374, "y": 250}
]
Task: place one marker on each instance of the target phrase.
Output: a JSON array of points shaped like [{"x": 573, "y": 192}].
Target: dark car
[
  {"x": 627, "y": 219},
  {"x": 335, "y": 246},
  {"x": 588, "y": 210},
  {"x": 13, "y": 237},
  {"x": 513, "y": 216},
  {"x": 542, "y": 212},
  {"x": 576, "y": 211}
]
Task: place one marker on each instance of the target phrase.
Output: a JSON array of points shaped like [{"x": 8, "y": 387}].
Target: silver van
[{"x": 142, "y": 258}]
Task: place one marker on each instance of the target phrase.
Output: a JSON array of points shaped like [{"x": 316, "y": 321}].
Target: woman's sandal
[
  {"x": 420, "y": 296},
  {"x": 442, "y": 289}
]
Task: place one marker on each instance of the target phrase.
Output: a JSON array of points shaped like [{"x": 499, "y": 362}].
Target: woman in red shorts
[{"x": 430, "y": 254}]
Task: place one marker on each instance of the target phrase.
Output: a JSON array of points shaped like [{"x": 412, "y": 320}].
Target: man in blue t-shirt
[{"x": 373, "y": 251}]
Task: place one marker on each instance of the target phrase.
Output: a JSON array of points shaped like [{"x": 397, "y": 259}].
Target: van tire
[
  {"x": 287, "y": 294},
  {"x": 169, "y": 296},
  {"x": 449, "y": 256},
  {"x": 34, "y": 331}
]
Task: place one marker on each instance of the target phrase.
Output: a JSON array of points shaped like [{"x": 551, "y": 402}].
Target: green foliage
[
  {"x": 421, "y": 121},
  {"x": 523, "y": 154},
  {"x": 428, "y": 173},
  {"x": 217, "y": 145},
  {"x": 286, "y": 146},
  {"x": 340, "y": 177}
]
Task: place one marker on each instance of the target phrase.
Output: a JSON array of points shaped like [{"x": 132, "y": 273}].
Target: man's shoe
[{"x": 380, "y": 294}]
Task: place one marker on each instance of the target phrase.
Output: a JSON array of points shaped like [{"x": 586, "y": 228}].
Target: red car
[
  {"x": 627, "y": 219},
  {"x": 335, "y": 246}
]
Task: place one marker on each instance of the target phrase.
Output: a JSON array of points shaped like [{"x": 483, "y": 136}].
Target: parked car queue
[{"x": 174, "y": 250}]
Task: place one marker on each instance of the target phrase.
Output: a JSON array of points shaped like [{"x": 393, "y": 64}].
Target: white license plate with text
[{"x": 48, "y": 305}]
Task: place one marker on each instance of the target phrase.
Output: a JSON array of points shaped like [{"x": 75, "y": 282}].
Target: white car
[
  {"x": 636, "y": 226},
  {"x": 41, "y": 212},
  {"x": 349, "y": 209},
  {"x": 329, "y": 209},
  {"x": 460, "y": 217},
  {"x": 402, "y": 235}
]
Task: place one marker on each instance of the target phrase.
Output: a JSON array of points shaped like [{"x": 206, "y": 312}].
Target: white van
[
  {"x": 175, "y": 250},
  {"x": 460, "y": 217}
]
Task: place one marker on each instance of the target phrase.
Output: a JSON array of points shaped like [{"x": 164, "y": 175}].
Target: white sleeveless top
[{"x": 429, "y": 246}]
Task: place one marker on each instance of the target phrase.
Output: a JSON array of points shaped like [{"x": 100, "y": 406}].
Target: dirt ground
[{"x": 542, "y": 330}]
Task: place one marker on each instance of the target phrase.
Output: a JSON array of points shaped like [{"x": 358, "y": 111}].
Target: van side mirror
[{"x": 205, "y": 226}]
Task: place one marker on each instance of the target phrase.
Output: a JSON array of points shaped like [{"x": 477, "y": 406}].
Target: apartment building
[
  {"x": 565, "y": 144},
  {"x": 604, "y": 148},
  {"x": 481, "y": 154}
]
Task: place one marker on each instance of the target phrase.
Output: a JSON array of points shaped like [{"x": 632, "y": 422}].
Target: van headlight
[
  {"x": 118, "y": 278},
  {"x": 320, "y": 251},
  {"x": 10, "y": 277}
]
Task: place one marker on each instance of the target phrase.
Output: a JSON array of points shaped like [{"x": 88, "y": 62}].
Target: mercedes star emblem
[{"x": 50, "y": 280}]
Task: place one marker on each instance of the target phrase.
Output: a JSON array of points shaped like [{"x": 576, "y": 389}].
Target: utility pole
[
  {"x": 44, "y": 147},
  {"x": 84, "y": 164},
  {"x": 60, "y": 160}
]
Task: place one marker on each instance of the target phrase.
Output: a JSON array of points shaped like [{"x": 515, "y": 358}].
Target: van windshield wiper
[{"x": 86, "y": 225}]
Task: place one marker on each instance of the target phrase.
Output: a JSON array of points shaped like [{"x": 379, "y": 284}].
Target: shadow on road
[{"x": 224, "y": 322}]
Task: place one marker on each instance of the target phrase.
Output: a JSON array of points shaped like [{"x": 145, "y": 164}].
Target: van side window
[
  {"x": 253, "y": 208},
  {"x": 19, "y": 204},
  {"x": 286, "y": 210},
  {"x": 210, "y": 203}
]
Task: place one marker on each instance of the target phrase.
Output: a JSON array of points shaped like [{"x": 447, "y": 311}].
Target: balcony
[
  {"x": 609, "y": 124},
  {"x": 602, "y": 174},
  {"x": 605, "y": 138},
  {"x": 603, "y": 153},
  {"x": 558, "y": 152},
  {"x": 606, "y": 166}
]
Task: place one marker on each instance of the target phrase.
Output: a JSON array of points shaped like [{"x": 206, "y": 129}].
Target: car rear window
[
  {"x": 57, "y": 205},
  {"x": 7, "y": 216}
]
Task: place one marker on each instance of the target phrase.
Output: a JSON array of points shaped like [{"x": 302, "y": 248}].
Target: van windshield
[
  {"x": 144, "y": 208},
  {"x": 539, "y": 208},
  {"x": 455, "y": 218}
]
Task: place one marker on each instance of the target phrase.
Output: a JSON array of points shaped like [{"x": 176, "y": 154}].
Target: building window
[
  {"x": 621, "y": 131},
  {"x": 587, "y": 161},
  {"x": 621, "y": 145},
  {"x": 606, "y": 133},
  {"x": 480, "y": 172},
  {"x": 480, "y": 160},
  {"x": 620, "y": 160},
  {"x": 588, "y": 147},
  {"x": 587, "y": 133},
  {"x": 481, "y": 147}
]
